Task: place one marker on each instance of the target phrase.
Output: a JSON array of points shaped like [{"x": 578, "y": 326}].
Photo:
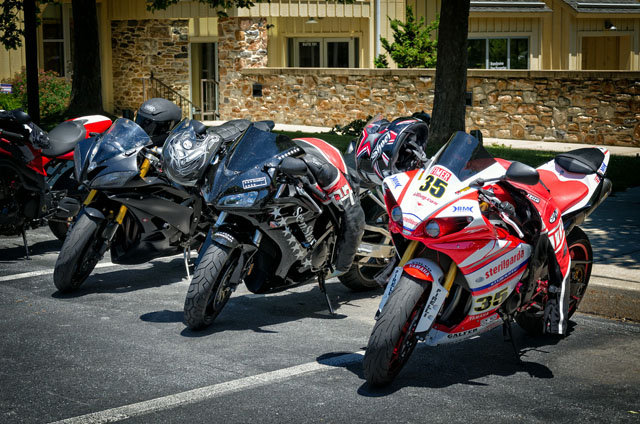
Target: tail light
[{"x": 440, "y": 227}]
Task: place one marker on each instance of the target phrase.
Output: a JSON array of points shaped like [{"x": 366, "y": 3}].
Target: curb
[{"x": 611, "y": 302}]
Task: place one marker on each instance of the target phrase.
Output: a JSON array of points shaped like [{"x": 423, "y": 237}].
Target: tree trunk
[
  {"x": 86, "y": 88},
  {"x": 451, "y": 72},
  {"x": 31, "y": 47}
]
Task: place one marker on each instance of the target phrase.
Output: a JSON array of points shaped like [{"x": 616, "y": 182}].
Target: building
[{"x": 187, "y": 50}]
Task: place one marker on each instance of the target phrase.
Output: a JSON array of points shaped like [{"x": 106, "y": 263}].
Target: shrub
[
  {"x": 10, "y": 102},
  {"x": 353, "y": 128},
  {"x": 381, "y": 61},
  {"x": 55, "y": 93}
]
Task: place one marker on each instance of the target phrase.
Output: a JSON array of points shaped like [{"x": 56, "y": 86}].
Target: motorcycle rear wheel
[
  {"x": 77, "y": 258},
  {"x": 579, "y": 275},
  {"x": 393, "y": 337},
  {"x": 210, "y": 290},
  {"x": 360, "y": 277}
]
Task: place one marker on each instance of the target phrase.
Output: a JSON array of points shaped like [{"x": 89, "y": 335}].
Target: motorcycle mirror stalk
[{"x": 518, "y": 172}]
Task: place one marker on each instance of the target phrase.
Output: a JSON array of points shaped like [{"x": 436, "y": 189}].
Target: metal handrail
[
  {"x": 209, "y": 91},
  {"x": 153, "y": 87}
]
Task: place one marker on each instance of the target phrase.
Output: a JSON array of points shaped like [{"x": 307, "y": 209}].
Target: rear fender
[{"x": 94, "y": 213}]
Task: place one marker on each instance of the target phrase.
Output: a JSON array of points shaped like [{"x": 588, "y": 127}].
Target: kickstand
[
  {"x": 323, "y": 289},
  {"x": 187, "y": 257},
  {"x": 506, "y": 331},
  {"x": 26, "y": 245}
]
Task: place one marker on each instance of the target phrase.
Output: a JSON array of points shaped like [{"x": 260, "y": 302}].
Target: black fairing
[{"x": 246, "y": 166}]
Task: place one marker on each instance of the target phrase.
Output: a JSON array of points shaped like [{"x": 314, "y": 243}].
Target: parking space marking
[
  {"x": 209, "y": 392},
  {"x": 43, "y": 272}
]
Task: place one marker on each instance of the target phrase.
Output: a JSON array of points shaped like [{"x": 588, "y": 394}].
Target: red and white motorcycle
[{"x": 467, "y": 228}]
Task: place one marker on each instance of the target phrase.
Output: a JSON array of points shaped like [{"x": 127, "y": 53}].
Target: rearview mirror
[{"x": 524, "y": 174}]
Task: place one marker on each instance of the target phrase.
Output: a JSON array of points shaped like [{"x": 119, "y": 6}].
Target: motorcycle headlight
[
  {"x": 396, "y": 215},
  {"x": 113, "y": 179},
  {"x": 242, "y": 200}
]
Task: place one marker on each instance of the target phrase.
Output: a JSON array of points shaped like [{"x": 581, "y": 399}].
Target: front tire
[
  {"x": 393, "y": 337},
  {"x": 77, "y": 258},
  {"x": 210, "y": 288}
]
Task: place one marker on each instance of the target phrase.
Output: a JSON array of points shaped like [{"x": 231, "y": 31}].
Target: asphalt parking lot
[{"x": 117, "y": 350}]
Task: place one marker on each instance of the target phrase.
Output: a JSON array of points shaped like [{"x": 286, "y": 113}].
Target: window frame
[
  {"x": 508, "y": 38},
  {"x": 324, "y": 41}
]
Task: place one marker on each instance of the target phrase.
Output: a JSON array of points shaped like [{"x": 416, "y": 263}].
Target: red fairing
[
  {"x": 327, "y": 151},
  {"x": 94, "y": 123}
]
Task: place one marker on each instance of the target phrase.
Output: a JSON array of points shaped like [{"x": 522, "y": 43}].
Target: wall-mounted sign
[{"x": 6, "y": 88}]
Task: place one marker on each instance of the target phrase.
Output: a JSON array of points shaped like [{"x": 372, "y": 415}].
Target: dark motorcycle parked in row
[
  {"x": 287, "y": 215},
  {"x": 36, "y": 172},
  {"x": 133, "y": 210}
]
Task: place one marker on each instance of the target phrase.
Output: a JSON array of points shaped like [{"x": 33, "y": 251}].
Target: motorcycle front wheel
[
  {"x": 393, "y": 337},
  {"x": 210, "y": 287},
  {"x": 77, "y": 258}
]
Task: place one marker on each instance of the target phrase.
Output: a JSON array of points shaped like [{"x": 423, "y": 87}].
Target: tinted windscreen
[
  {"x": 122, "y": 136},
  {"x": 464, "y": 156},
  {"x": 257, "y": 147}
]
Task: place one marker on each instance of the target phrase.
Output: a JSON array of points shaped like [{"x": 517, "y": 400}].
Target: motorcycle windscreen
[
  {"x": 464, "y": 156},
  {"x": 124, "y": 136},
  {"x": 257, "y": 148}
]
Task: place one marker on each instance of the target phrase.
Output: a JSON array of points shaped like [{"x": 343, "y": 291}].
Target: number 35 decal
[
  {"x": 487, "y": 301},
  {"x": 438, "y": 186}
]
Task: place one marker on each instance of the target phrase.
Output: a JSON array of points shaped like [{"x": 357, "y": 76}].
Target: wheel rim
[
  {"x": 578, "y": 274},
  {"x": 408, "y": 340},
  {"x": 369, "y": 270},
  {"x": 221, "y": 294}
]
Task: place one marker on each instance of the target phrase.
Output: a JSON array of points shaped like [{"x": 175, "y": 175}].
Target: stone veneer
[
  {"x": 242, "y": 44},
  {"x": 572, "y": 106},
  {"x": 140, "y": 47}
]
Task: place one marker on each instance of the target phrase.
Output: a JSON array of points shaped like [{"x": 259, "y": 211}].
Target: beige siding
[{"x": 284, "y": 28}]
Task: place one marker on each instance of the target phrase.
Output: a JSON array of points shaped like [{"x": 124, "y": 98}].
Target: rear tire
[
  {"x": 210, "y": 287},
  {"x": 59, "y": 229},
  {"x": 393, "y": 337},
  {"x": 579, "y": 275},
  {"x": 360, "y": 277},
  {"x": 77, "y": 258}
]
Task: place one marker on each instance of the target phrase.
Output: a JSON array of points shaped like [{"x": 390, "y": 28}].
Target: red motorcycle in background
[{"x": 36, "y": 172}]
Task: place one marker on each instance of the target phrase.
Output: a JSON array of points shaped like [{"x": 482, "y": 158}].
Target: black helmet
[
  {"x": 157, "y": 116},
  {"x": 386, "y": 148}
]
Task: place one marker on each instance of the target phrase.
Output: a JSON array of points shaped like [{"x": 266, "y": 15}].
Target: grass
[{"x": 620, "y": 170}]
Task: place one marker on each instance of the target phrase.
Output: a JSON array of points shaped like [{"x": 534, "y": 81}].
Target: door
[
  {"x": 605, "y": 53},
  {"x": 205, "y": 79}
]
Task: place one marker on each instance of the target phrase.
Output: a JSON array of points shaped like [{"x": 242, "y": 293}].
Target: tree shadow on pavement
[
  {"x": 465, "y": 362},
  {"x": 253, "y": 311}
]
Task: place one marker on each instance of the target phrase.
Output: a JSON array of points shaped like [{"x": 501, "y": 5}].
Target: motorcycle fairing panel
[{"x": 492, "y": 262}]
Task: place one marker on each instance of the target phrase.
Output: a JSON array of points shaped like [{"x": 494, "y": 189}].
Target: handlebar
[{"x": 11, "y": 135}]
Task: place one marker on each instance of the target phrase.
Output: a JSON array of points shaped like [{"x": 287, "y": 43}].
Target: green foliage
[
  {"x": 353, "y": 128},
  {"x": 11, "y": 32},
  {"x": 381, "y": 61},
  {"x": 412, "y": 46},
  {"x": 10, "y": 102},
  {"x": 54, "y": 91}
]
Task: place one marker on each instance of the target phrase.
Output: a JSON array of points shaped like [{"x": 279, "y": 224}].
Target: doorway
[
  {"x": 205, "y": 79},
  {"x": 606, "y": 53}
]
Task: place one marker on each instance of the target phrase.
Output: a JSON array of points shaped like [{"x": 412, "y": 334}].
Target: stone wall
[
  {"x": 572, "y": 106},
  {"x": 242, "y": 44},
  {"x": 142, "y": 47}
]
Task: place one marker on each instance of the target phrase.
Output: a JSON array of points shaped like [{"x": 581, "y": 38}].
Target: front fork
[
  {"x": 439, "y": 292},
  {"x": 144, "y": 169}
]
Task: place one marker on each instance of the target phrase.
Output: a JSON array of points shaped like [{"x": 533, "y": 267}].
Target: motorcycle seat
[
  {"x": 64, "y": 138},
  {"x": 230, "y": 130},
  {"x": 565, "y": 194},
  {"x": 581, "y": 161}
]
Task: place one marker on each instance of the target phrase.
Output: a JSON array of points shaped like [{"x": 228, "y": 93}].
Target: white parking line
[
  {"x": 203, "y": 393},
  {"x": 43, "y": 272}
]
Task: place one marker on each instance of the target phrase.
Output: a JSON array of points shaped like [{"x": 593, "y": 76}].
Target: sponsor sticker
[
  {"x": 396, "y": 182},
  {"x": 463, "y": 209},
  {"x": 533, "y": 198},
  {"x": 443, "y": 174},
  {"x": 505, "y": 264},
  {"x": 254, "y": 182},
  {"x": 554, "y": 216}
]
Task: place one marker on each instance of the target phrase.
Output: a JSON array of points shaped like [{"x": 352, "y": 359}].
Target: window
[
  {"x": 323, "y": 52},
  {"x": 57, "y": 28},
  {"x": 498, "y": 53}
]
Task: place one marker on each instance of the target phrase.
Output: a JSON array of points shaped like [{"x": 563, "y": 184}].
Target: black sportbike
[
  {"x": 287, "y": 215},
  {"x": 132, "y": 208}
]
